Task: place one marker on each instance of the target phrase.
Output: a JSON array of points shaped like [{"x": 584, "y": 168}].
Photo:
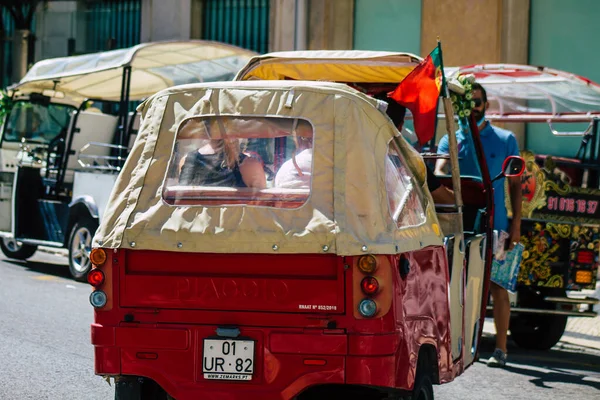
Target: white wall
[
  {"x": 165, "y": 20},
  {"x": 56, "y": 22}
]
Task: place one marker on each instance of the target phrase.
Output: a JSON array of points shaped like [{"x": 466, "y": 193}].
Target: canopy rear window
[{"x": 240, "y": 160}]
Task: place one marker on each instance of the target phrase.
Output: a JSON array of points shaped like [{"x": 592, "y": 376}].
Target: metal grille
[
  {"x": 243, "y": 23},
  {"x": 113, "y": 24}
]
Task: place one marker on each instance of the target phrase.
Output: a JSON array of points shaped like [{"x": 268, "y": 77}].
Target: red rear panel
[{"x": 233, "y": 282}]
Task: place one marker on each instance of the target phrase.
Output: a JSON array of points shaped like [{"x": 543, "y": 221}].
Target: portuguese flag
[{"x": 419, "y": 92}]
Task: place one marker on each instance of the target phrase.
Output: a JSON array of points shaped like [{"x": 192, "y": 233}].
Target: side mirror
[{"x": 513, "y": 166}]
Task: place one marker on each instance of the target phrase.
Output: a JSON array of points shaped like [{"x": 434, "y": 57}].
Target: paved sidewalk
[
  {"x": 580, "y": 331},
  {"x": 585, "y": 331}
]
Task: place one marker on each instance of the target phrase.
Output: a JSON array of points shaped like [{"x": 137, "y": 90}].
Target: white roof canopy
[
  {"x": 531, "y": 93},
  {"x": 154, "y": 66}
]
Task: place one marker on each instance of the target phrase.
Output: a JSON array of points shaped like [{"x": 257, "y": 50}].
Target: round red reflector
[
  {"x": 95, "y": 277},
  {"x": 369, "y": 285}
]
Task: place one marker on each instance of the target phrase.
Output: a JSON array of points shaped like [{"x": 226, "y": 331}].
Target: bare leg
[{"x": 501, "y": 314}]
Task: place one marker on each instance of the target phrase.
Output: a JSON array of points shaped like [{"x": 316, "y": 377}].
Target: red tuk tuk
[{"x": 326, "y": 274}]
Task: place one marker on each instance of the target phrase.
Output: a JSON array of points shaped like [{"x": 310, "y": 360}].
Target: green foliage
[{"x": 6, "y": 104}]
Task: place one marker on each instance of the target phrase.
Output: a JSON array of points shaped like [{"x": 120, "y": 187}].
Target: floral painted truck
[{"x": 561, "y": 193}]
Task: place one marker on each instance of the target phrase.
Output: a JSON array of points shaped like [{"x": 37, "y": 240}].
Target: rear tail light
[
  {"x": 585, "y": 257},
  {"x": 369, "y": 285},
  {"x": 367, "y": 308},
  {"x": 95, "y": 277},
  {"x": 98, "y": 299},
  {"x": 372, "y": 278},
  {"x": 98, "y": 257},
  {"x": 367, "y": 263},
  {"x": 584, "y": 276}
]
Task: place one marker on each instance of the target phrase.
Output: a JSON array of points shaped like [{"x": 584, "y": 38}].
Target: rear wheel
[
  {"x": 423, "y": 388},
  {"x": 537, "y": 331},
  {"x": 17, "y": 250},
  {"x": 137, "y": 388},
  {"x": 80, "y": 246}
]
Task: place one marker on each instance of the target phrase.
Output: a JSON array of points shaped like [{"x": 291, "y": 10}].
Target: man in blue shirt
[{"x": 497, "y": 144}]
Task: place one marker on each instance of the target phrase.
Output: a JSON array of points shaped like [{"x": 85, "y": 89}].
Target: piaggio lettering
[{"x": 212, "y": 290}]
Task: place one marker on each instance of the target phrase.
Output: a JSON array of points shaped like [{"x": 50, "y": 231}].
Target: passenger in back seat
[
  {"x": 219, "y": 162},
  {"x": 296, "y": 172}
]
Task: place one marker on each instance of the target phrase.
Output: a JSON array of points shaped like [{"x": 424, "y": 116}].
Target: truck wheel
[
  {"x": 537, "y": 332},
  {"x": 80, "y": 246},
  {"x": 13, "y": 249}
]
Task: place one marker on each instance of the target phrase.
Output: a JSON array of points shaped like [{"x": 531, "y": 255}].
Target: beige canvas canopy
[
  {"x": 354, "y": 66},
  {"x": 347, "y": 212},
  {"x": 154, "y": 66}
]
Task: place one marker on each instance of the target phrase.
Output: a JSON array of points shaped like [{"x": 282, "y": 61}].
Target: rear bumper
[{"x": 172, "y": 356}]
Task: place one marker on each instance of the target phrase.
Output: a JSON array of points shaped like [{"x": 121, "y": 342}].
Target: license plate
[{"x": 228, "y": 359}]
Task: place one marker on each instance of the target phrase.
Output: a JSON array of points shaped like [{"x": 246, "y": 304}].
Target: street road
[
  {"x": 45, "y": 350},
  {"x": 45, "y": 317}
]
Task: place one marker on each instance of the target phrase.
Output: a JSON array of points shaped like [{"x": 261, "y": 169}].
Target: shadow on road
[
  {"x": 46, "y": 268},
  {"x": 570, "y": 365},
  {"x": 544, "y": 379}
]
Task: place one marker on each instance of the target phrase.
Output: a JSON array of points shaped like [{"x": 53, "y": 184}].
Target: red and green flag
[{"x": 420, "y": 92}]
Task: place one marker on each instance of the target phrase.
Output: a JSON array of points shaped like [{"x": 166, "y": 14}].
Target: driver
[
  {"x": 497, "y": 144},
  {"x": 32, "y": 127}
]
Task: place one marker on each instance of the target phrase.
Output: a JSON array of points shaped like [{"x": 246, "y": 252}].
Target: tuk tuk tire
[
  {"x": 423, "y": 388},
  {"x": 537, "y": 331},
  {"x": 14, "y": 250},
  {"x": 128, "y": 389},
  {"x": 80, "y": 241}
]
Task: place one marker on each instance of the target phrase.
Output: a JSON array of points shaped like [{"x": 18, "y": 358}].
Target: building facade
[
  {"x": 556, "y": 33},
  {"x": 62, "y": 28}
]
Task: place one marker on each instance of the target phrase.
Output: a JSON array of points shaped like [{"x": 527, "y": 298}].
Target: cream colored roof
[
  {"x": 534, "y": 93},
  {"x": 154, "y": 66},
  {"x": 345, "y": 211},
  {"x": 331, "y": 65}
]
